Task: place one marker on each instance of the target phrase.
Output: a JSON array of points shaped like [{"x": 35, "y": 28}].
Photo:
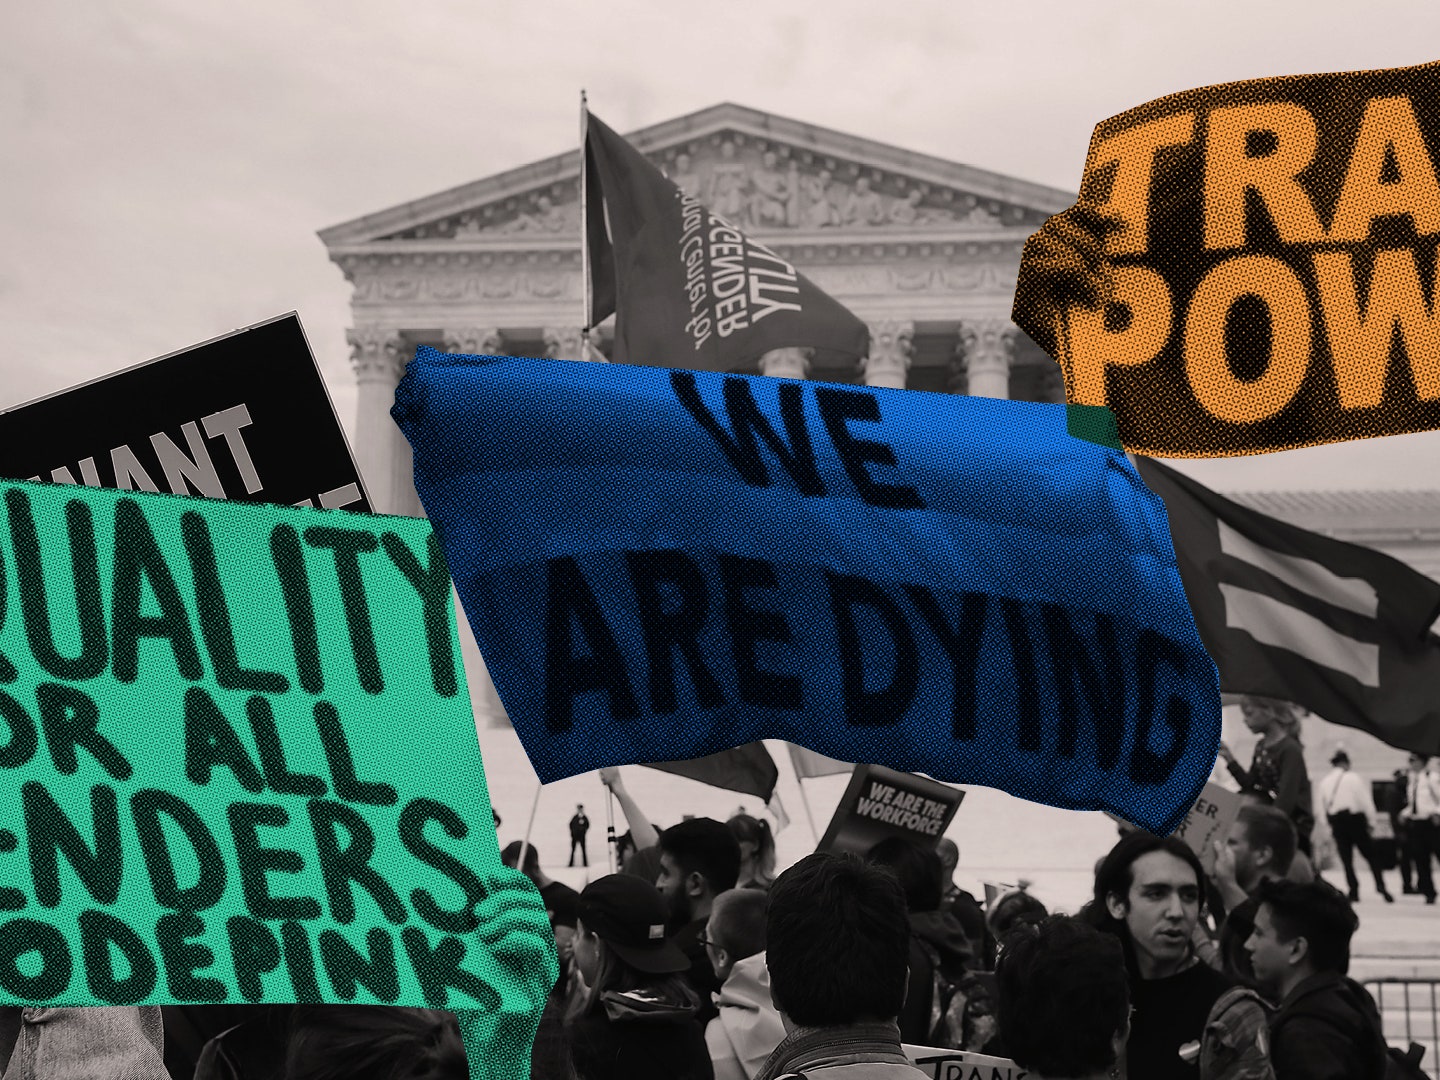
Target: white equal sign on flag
[{"x": 1273, "y": 622}]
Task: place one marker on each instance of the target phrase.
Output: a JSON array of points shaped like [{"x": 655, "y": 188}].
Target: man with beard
[
  {"x": 1149, "y": 894},
  {"x": 1327, "y": 1026},
  {"x": 1260, "y": 848},
  {"x": 699, "y": 860}
]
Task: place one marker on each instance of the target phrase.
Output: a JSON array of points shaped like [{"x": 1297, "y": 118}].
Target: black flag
[
  {"x": 1339, "y": 629},
  {"x": 687, "y": 288}
]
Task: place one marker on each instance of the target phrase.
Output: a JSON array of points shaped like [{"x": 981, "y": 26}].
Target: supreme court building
[{"x": 924, "y": 250}]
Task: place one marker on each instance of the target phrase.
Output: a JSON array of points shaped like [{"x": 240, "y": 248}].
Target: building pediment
[{"x": 765, "y": 173}]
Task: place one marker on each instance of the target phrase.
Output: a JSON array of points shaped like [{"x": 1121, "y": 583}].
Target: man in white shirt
[
  {"x": 1421, "y": 816},
  {"x": 1348, "y": 805}
]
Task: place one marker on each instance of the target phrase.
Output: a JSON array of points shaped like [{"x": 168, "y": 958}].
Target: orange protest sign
[{"x": 1272, "y": 265}]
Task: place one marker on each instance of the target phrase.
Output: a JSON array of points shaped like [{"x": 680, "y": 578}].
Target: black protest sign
[
  {"x": 243, "y": 417},
  {"x": 880, "y": 803}
]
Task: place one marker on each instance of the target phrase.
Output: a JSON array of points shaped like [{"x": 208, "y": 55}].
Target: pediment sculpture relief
[
  {"x": 764, "y": 187},
  {"x": 755, "y": 185}
]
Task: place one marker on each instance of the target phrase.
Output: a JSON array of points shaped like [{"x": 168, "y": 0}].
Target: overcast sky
[{"x": 167, "y": 163}]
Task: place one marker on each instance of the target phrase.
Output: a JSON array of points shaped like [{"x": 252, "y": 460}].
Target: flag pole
[
  {"x": 611, "y": 843},
  {"x": 809, "y": 816},
  {"x": 529, "y": 826},
  {"x": 584, "y": 229}
]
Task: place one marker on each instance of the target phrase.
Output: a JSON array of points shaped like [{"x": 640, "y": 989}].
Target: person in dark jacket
[
  {"x": 579, "y": 827},
  {"x": 965, "y": 907},
  {"x": 1327, "y": 1026},
  {"x": 938, "y": 943},
  {"x": 636, "y": 1019}
]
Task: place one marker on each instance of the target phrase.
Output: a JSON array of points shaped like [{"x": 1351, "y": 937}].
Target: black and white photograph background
[{"x": 406, "y": 175}]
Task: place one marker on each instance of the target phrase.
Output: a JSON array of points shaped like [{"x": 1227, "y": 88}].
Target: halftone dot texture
[
  {"x": 637, "y": 598},
  {"x": 1273, "y": 283},
  {"x": 271, "y": 789}
]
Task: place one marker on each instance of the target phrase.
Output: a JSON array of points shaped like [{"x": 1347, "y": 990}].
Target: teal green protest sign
[{"x": 238, "y": 764}]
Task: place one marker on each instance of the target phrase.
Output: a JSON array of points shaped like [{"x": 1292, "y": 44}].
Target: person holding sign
[
  {"x": 1064, "y": 1001},
  {"x": 1277, "y": 773}
]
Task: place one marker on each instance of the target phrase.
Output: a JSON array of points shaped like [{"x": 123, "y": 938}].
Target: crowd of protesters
[{"x": 696, "y": 961}]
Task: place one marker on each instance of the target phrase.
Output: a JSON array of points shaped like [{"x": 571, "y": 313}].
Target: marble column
[
  {"x": 382, "y": 452},
  {"x": 957, "y": 375},
  {"x": 892, "y": 346},
  {"x": 572, "y": 343},
  {"x": 988, "y": 345},
  {"x": 791, "y": 363},
  {"x": 475, "y": 341}
]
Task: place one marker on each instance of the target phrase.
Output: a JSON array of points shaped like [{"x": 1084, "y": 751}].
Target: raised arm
[{"x": 641, "y": 830}]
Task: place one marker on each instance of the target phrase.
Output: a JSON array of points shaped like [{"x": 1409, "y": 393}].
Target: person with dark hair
[
  {"x": 562, "y": 904},
  {"x": 939, "y": 949},
  {"x": 1349, "y": 809},
  {"x": 1014, "y": 908},
  {"x": 699, "y": 859},
  {"x": 1149, "y": 893},
  {"x": 636, "y": 1019},
  {"x": 965, "y": 908},
  {"x": 579, "y": 827},
  {"x": 838, "y": 938},
  {"x": 757, "y": 851},
  {"x": 1260, "y": 847},
  {"x": 1277, "y": 771},
  {"x": 1421, "y": 817},
  {"x": 374, "y": 1042},
  {"x": 1064, "y": 1000},
  {"x": 1327, "y": 1026},
  {"x": 748, "y": 1028}
]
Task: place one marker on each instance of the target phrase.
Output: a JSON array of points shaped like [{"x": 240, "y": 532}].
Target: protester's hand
[
  {"x": 1224, "y": 752},
  {"x": 611, "y": 778},
  {"x": 1064, "y": 264},
  {"x": 516, "y": 928}
]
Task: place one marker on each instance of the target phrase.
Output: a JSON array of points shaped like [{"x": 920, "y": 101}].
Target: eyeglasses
[{"x": 705, "y": 941}]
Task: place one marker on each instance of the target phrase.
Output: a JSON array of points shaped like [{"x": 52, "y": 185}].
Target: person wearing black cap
[
  {"x": 636, "y": 1018},
  {"x": 1350, "y": 809}
]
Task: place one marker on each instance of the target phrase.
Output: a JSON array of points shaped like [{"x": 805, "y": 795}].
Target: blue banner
[{"x": 661, "y": 564}]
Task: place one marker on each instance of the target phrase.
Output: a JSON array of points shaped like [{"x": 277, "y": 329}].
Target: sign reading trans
[{"x": 245, "y": 416}]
